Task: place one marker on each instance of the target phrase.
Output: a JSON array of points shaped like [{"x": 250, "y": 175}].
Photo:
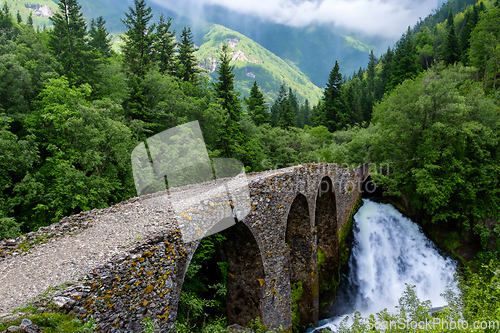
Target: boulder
[{"x": 63, "y": 302}]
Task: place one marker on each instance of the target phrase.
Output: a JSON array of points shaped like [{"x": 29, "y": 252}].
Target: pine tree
[
  {"x": 277, "y": 106},
  {"x": 405, "y": 60},
  {"x": 164, "y": 46},
  {"x": 257, "y": 107},
  {"x": 232, "y": 137},
  {"x": 318, "y": 114},
  {"x": 5, "y": 8},
  {"x": 337, "y": 115},
  {"x": 451, "y": 50},
  {"x": 370, "y": 74},
  {"x": 19, "y": 18},
  {"x": 138, "y": 39},
  {"x": 137, "y": 56},
  {"x": 304, "y": 117},
  {"x": 385, "y": 75},
  {"x": 6, "y": 20},
  {"x": 353, "y": 91},
  {"x": 294, "y": 103},
  {"x": 99, "y": 37},
  {"x": 287, "y": 116},
  {"x": 471, "y": 18},
  {"x": 30, "y": 20},
  {"x": 369, "y": 88},
  {"x": 186, "y": 58},
  {"x": 68, "y": 42}
]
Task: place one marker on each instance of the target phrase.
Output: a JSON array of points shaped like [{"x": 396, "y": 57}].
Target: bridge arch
[
  {"x": 245, "y": 281},
  {"x": 245, "y": 273},
  {"x": 303, "y": 271},
  {"x": 328, "y": 240}
]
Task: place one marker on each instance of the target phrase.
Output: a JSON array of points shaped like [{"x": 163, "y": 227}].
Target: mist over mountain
[
  {"x": 312, "y": 34},
  {"x": 379, "y": 18}
]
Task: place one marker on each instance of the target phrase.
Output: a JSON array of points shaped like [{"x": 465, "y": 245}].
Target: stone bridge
[{"x": 127, "y": 262}]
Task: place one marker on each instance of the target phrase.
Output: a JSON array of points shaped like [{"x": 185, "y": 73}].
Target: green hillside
[
  {"x": 42, "y": 10},
  {"x": 252, "y": 63}
]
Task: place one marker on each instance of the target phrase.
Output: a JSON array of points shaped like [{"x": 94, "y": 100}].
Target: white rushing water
[{"x": 388, "y": 252}]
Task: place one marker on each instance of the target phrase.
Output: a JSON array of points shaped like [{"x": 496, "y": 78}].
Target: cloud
[{"x": 384, "y": 18}]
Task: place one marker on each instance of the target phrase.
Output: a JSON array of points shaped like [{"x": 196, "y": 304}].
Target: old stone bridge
[{"x": 126, "y": 263}]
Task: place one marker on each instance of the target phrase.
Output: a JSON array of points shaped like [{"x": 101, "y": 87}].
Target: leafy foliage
[
  {"x": 204, "y": 289},
  {"x": 442, "y": 144}
]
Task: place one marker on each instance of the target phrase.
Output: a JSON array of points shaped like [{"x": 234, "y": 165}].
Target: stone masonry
[{"x": 127, "y": 262}]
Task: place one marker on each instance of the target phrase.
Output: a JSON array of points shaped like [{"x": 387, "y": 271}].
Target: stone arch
[
  {"x": 300, "y": 242},
  {"x": 245, "y": 281},
  {"x": 327, "y": 240}
]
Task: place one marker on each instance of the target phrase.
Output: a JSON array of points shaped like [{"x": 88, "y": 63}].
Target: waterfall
[{"x": 388, "y": 252}]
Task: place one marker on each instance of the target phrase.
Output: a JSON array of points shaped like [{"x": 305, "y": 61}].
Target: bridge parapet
[{"x": 128, "y": 262}]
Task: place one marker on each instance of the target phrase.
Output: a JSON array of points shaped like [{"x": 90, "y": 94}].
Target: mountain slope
[
  {"x": 252, "y": 62},
  {"x": 41, "y": 9}
]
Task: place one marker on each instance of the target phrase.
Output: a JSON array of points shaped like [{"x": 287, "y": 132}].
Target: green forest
[{"x": 72, "y": 110}]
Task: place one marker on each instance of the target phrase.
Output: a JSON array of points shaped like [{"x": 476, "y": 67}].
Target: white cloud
[{"x": 385, "y": 18}]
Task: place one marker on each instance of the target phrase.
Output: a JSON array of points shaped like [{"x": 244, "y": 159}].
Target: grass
[
  {"x": 54, "y": 323},
  {"x": 26, "y": 246}
]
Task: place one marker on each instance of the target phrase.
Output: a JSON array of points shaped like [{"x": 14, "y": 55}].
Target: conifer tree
[
  {"x": 471, "y": 18},
  {"x": 5, "y": 8},
  {"x": 287, "y": 116},
  {"x": 405, "y": 61},
  {"x": 353, "y": 100},
  {"x": 30, "y": 20},
  {"x": 164, "y": 46},
  {"x": 186, "y": 58},
  {"x": 369, "y": 95},
  {"x": 451, "y": 51},
  {"x": 19, "y": 18},
  {"x": 386, "y": 73},
  {"x": 6, "y": 20},
  {"x": 337, "y": 115},
  {"x": 68, "y": 42},
  {"x": 138, "y": 39},
  {"x": 232, "y": 136},
  {"x": 257, "y": 107},
  {"x": 304, "y": 115},
  {"x": 137, "y": 56},
  {"x": 99, "y": 37},
  {"x": 294, "y": 104},
  {"x": 277, "y": 106},
  {"x": 370, "y": 73}
]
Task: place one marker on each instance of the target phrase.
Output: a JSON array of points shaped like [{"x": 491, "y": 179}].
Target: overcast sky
[{"x": 385, "y": 18}]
